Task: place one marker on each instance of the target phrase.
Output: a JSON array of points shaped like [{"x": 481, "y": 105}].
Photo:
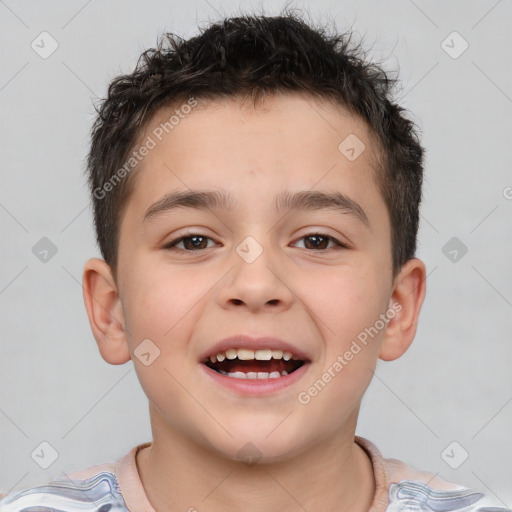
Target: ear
[
  {"x": 105, "y": 312},
  {"x": 409, "y": 288}
]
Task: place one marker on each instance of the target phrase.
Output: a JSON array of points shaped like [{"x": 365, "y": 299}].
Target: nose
[{"x": 258, "y": 280}]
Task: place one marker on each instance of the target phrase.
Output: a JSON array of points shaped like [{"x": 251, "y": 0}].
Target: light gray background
[{"x": 454, "y": 383}]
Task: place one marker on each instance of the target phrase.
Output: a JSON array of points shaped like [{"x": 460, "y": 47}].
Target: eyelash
[{"x": 172, "y": 244}]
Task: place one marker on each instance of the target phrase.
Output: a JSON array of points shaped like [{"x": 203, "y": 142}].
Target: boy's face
[{"x": 255, "y": 271}]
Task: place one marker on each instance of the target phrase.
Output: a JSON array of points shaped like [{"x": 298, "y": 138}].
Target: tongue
[{"x": 234, "y": 365}]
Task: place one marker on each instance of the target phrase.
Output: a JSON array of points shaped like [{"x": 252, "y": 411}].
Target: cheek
[
  {"x": 156, "y": 300},
  {"x": 353, "y": 339},
  {"x": 346, "y": 304},
  {"x": 161, "y": 384}
]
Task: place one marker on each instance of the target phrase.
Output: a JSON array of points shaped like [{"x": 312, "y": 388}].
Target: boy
[{"x": 256, "y": 200}]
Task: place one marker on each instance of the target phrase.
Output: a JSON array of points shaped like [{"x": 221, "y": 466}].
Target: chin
[{"x": 258, "y": 445}]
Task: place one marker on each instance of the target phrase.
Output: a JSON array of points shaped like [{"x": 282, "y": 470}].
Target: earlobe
[
  {"x": 406, "y": 301},
  {"x": 104, "y": 310}
]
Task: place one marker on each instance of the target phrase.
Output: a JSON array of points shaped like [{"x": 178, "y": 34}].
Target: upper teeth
[{"x": 245, "y": 354}]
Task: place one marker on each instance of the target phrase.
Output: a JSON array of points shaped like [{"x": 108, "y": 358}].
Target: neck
[{"x": 179, "y": 474}]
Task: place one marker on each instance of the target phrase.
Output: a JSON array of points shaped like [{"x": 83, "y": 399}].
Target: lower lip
[{"x": 256, "y": 386}]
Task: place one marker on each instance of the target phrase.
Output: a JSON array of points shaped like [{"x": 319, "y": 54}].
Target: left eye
[
  {"x": 318, "y": 240},
  {"x": 195, "y": 241}
]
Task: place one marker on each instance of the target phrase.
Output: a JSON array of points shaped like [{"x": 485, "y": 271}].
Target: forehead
[{"x": 285, "y": 143}]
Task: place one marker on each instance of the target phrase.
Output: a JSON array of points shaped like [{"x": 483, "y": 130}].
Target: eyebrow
[{"x": 221, "y": 199}]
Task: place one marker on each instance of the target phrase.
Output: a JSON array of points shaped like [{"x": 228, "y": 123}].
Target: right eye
[{"x": 191, "y": 241}]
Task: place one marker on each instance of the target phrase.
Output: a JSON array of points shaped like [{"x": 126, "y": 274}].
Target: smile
[
  {"x": 257, "y": 364},
  {"x": 248, "y": 372}
]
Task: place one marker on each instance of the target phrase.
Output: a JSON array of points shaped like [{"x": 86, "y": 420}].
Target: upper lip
[{"x": 253, "y": 343}]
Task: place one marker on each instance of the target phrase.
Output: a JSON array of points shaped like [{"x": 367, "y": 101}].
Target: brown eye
[
  {"x": 196, "y": 242},
  {"x": 190, "y": 242},
  {"x": 320, "y": 242}
]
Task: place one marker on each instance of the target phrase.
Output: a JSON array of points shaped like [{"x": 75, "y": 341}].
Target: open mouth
[{"x": 254, "y": 364}]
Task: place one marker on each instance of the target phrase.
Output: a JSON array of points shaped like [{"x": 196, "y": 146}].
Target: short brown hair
[{"x": 254, "y": 55}]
